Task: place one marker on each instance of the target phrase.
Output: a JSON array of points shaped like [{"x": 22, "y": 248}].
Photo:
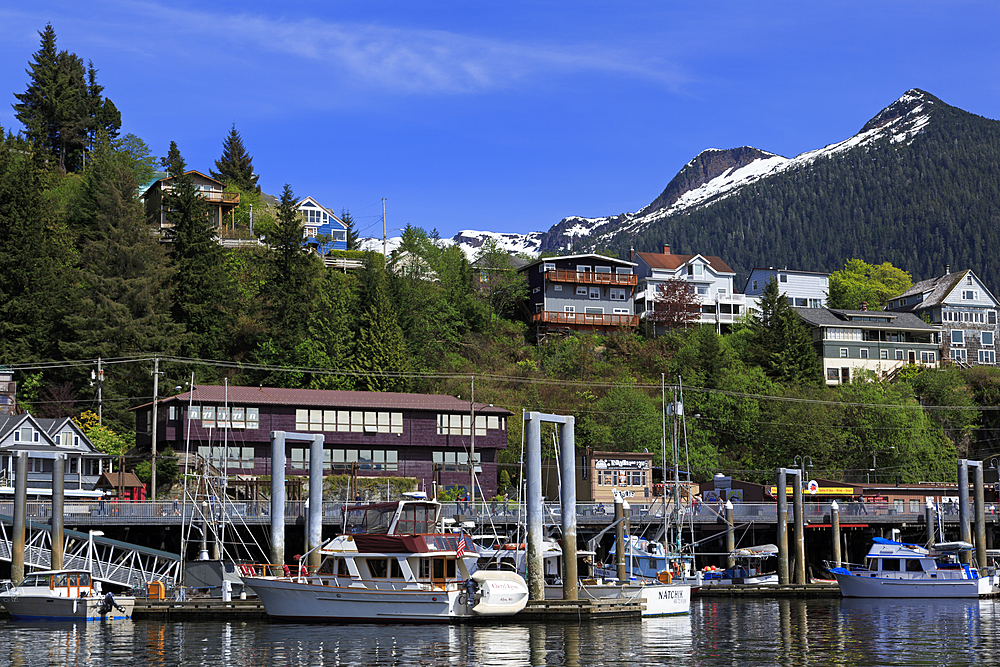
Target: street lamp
[
  {"x": 90, "y": 549},
  {"x": 800, "y": 462}
]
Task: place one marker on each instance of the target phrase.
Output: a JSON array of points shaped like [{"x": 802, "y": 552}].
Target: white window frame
[
  {"x": 557, "y": 288},
  {"x": 581, "y": 290},
  {"x": 844, "y": 354},
  {"x": 960, "y": 333},
  {"x": 621, "y": 311},
  {"x": 863, "y": 353},
  {"x": 594, "y": 310},
  {"x": 569, "y": 309},
  {"x": 883, "y": 354},
  {"x": 982, "y": 338},
  {"x": 595, "y": 292}
]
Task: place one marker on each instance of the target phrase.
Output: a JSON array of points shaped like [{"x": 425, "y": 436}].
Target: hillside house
[
  {"x": 710, "y": 278},
  {"x": 964, "y": 309},
  {"x": 223, "y": 203},
  {"x": 853, "y": 341},
  {"x": 803, "y": 289},
  {"x": 368, "y": 434},
  {"x": 580, "y": 293},
  {"x": 324, "y": 231},
  {"x": 44, "y": 440}
]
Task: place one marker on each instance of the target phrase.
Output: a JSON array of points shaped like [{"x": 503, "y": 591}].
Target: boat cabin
[{"x": 61, "y": 583}]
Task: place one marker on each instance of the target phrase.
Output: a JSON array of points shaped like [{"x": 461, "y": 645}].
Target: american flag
[{"x": 460, "y": 550}]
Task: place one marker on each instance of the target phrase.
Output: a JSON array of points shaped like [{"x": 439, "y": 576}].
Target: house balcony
[
  {"x": 591, "y": 277},
  {"x": 584, "y": 320}
]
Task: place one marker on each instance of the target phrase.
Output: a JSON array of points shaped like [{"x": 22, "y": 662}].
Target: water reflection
[{"x": 728, "y": 632}]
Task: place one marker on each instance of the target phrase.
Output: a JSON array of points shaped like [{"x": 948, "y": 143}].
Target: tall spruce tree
[
  {"x": 58, "y": 108},
  {"x": 783, "y": 346},
  {"x": 35, "y": 254},
  {"x": 236, "y": 165},
  {"x": 380, "y": 354},
  {"x": 202, "y": 291},
  {"x": 123, "y": 299}
]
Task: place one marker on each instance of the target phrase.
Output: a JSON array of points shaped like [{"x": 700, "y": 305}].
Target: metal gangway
[{"x": 110, "y": 561}]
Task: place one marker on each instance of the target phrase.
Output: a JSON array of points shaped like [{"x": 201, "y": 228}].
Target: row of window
[
  {"x": 977, "y": 317},
  {"x": 348, "y": 421},
  {"x": 581, "y": 268},
  {"x": 90, "y": 466},
  {"x": 959, "y": 336},
  {"x": 449, "y": 424},
  {"x": 215, "y": 417},
  {"x": 590, "y": 310},
  {"x": 985, "y": 356},
  {"x": 863, "y": 353},
  {"x": 621, "y": 477},
  {"x": 454, "y": 461}
]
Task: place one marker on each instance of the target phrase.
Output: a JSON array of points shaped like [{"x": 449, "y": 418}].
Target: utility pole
[
  {"x": 156, "y": 389},
  {"x": 100, "y": 393},
  {"x": 472, "y": 446},
  {"x": 385, "y": 252}
]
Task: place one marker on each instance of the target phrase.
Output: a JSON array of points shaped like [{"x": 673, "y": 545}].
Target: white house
[
  {"x": 710, "y": 278},
  {"x": 803, "y": 289}
]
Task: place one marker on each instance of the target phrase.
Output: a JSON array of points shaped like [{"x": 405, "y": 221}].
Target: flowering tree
[{"x": 676, "y": 305}]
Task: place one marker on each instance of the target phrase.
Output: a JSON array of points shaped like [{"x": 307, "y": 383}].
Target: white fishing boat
[
  {"x": 898, "y": 570},
  {"x": 748, "y": 570},
  {"x": 393, "y": 565},
  {"x": 64, "y": 595}
]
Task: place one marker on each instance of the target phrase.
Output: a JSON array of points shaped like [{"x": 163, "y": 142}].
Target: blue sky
[{"x": 504, "y": 116}]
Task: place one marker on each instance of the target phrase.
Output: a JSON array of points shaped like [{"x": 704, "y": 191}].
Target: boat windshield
[{"x": 35, "y": 580}]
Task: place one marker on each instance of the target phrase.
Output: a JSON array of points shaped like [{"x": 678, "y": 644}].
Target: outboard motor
[{"x": 110, "y": 603}]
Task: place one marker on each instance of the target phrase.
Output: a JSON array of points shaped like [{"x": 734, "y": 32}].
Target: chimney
[
  {"x": 947, "y": 269},
  {"x": 666, "y": 249},
  {"x": 631, "y": 254},
  {"x": 864, "y": 305}
]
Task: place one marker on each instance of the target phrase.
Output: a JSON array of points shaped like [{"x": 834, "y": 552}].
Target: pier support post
[
  {"x": 20, "y": 518},
  {"x": 730, "y": 536},
  {"x": 782, "y": 523},
  {"x": 964, "y": 531},
  {"x": 315, "y": 514},
  {"x": 929, "y": 520},
  {"x": 835, "y": 529},
  {"x": 800, "y": 533},
  {"x": 58, "y": 510},
  {"x": 979, "y": 506},
  {"x": 533, "y": 441},
  {"x": 277, "y": 501},
  {"x": 620, "y": 547},
  {"x": 567, "y": 501}
]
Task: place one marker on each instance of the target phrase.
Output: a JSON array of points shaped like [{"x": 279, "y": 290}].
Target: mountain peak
[{"x": 914, "y": 103}]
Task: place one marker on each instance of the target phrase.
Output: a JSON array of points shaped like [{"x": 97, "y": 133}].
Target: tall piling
[
  {"x": 567, "y": 503},
  {"x": 58, "y": 510},
  {"x": 800, "y": 533},
  {"x": 277, "y": 501},
  {"x": 782, "y": 524},
  {"x": 533, "y": 445},
  {"x": 620, "y": 547},
  {"x": 730, "y": 535},
  {"x": 964, "y": 531},
  {"x": 20, "y": 518},
  {"x": 315, "y": 514},
  {"x": 929, "y": 520},
  {"x": 835, "y": 530}
]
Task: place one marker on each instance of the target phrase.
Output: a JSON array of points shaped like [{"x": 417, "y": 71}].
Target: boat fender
[{"x": 670, "y": 577}]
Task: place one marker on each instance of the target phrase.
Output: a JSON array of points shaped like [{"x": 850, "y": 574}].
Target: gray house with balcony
[
  {"x": 580, "y": 293},
  {"x": 853, "y": 341},
  {"x": 965, "y": 310},
  {"x": 803, "y": 289}
]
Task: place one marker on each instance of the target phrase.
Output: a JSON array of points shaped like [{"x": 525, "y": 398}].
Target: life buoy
[{"x": 288, "y": 570}]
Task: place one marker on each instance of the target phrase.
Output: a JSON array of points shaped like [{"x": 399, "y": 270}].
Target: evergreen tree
[
  {"x": 173, "y": 162},
  {"x": 380, "y": 351},
  {"x": 499, "y": 284},
  {"x": 34, "y": 256},
  {"x": 352, "y": 233},
  {"x": 202, "y": 293},
  {"x": 236, "y": 166},
  {"x": 122, "y": 301},
  {"x": 783, "y": 347},
  {"x": 55, "y": 109}
]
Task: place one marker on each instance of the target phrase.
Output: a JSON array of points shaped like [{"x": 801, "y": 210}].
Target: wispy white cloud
[{"x": 390, "y": 58}]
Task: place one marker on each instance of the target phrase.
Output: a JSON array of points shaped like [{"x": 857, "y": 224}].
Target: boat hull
[
  {"x": 289, "y": 600},
  {"x": 855, "y": 586},
  {"x": 49, "y": 608}
]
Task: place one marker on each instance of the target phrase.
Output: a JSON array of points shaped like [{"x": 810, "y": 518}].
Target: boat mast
[
  {"x": 677, "y": 477},
  {"x": 663, "y": 464}
]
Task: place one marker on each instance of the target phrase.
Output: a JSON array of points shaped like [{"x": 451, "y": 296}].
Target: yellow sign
[{"x": 822, "y": 491}]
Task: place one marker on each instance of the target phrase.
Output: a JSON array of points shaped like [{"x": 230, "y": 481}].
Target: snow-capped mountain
[{"x": 472, "y": 241}]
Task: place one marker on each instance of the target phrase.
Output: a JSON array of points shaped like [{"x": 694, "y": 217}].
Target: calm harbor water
[{"x": 718, "y": 632}]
